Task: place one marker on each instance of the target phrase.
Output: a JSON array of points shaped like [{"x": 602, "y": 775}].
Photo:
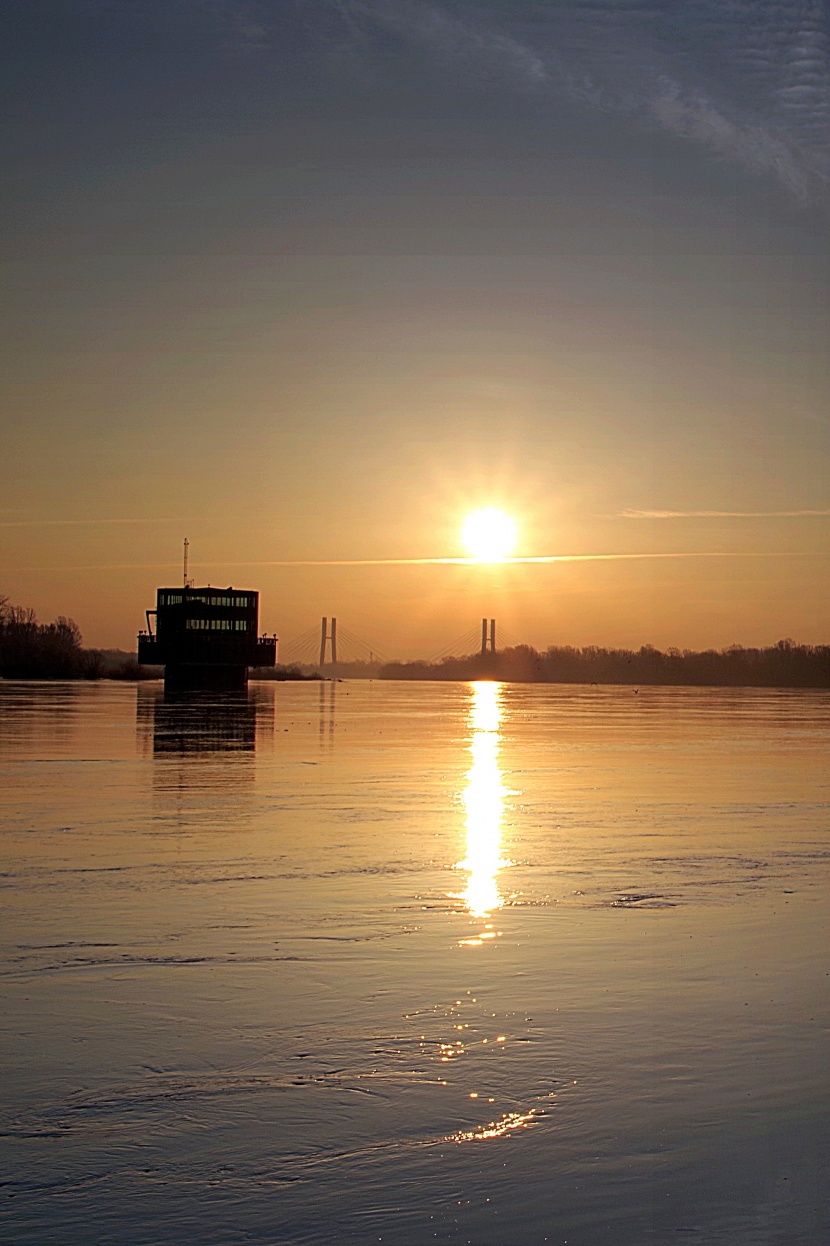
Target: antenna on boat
[{"x": 186, "y": 551}]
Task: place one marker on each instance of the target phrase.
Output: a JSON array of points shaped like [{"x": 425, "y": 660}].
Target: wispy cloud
[
  {"x": 455, "y": 39},
  {"x": 764, "y": 105},
  {"x": 654, "y": 514},
  {"x": 752, "y": 145}
]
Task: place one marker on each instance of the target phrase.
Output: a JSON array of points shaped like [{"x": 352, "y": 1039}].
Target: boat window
[{"x": 215, "y": 625}]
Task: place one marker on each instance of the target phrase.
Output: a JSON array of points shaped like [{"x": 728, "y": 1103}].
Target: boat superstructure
[{"x": 205, "y": 638}]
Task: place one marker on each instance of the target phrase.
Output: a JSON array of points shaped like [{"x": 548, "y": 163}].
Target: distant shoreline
[
  {"x": 783, "y": 665},
  {"x": 54, "y": 651}
]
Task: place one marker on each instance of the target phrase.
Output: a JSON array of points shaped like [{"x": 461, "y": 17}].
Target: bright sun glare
[{"x": 489, "y": 535}]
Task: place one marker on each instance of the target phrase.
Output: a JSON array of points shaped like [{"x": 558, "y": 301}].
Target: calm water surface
[{"x": 414, "y": 963}]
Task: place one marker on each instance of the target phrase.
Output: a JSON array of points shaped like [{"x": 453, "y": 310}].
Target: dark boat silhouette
[{"x": 205, "y": 638}]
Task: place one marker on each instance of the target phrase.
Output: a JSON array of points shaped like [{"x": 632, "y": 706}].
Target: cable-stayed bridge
[{"x": 331, "y": 645}]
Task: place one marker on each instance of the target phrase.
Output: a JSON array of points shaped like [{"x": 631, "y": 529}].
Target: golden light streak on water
[
  {"x": 484, "y": 807},
  {"x": 506, "y": 1124}
]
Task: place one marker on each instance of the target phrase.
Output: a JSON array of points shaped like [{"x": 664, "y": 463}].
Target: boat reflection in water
[
  {"x": 484, "y": 809},
  {"x": 207, "y": 722}
]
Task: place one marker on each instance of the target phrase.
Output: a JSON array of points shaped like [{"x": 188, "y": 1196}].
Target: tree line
[
  {"x": 783, "y": 665},
  {"x": 33, "y": 650}
]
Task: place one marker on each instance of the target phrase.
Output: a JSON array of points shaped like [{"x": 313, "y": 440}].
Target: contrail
[
  {"x": 502, "y": 562},
  {"x": 531, "y": 559},
  {"x": 645, "y": 514},
  {"x": 61, "y": 523},
  {"x": 623, "y": 514}
]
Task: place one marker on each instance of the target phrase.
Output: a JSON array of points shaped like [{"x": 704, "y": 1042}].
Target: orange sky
[{"x": 315, "y": 299}]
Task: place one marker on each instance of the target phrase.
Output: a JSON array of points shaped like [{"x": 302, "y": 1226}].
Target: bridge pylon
[{"x": 328, "y": 635}]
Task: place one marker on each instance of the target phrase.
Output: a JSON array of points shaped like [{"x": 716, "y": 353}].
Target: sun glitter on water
[{"x": 489, "y": 535}]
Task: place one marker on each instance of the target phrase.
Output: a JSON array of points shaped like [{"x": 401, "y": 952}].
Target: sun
[{"x": 489, "y": 535}]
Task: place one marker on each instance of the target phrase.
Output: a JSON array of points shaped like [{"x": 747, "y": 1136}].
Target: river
[{"x": 409, "y": 963}]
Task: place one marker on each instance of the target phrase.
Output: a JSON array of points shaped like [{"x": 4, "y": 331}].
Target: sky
[{"x": 306, "y": 281}]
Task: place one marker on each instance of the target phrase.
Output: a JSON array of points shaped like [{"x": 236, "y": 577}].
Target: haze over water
[{"x": 409, "y": 963}]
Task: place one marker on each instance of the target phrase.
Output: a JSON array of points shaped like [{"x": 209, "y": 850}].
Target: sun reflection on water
[
  {"x": 506, "y": 1124},
  {"x": 484, "y": 807}
]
